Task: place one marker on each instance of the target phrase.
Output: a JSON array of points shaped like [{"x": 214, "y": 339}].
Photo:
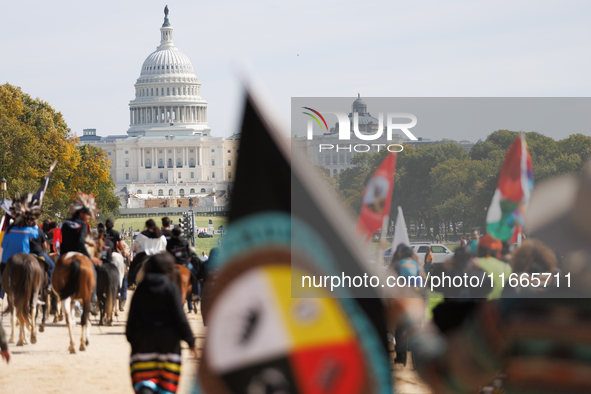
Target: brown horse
[
  {"x": 55, "y": 305},
  {"x": 21, "y": 280},
  {"x": 44, "y": 294},
  {"x": 184, "y": 280},
  {"x": 182, "y": 277},
  {"x": 74, "y": 279}
]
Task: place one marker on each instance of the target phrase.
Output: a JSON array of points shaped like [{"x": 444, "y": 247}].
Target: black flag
[{"x": 266, "y": 333}]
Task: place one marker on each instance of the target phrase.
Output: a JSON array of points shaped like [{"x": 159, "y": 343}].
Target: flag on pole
[
  {"x": 3, "y": 223},
  {"x": 377, "y": 197},
  {"x": 400, "y": 232},
  {"x": 265, "y": 332},
  {"x": 506, "y": 214},
  {"x": 6, "y": 203},
  {"x": 41, "y": 192}
]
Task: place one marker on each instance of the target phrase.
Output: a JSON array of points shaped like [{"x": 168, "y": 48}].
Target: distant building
[
  {"x": 89, "y": 135},
  {"x": 339, "y": 159},
  {"x": 421, "y": 142},
  {"x": 467, "y": 145}
]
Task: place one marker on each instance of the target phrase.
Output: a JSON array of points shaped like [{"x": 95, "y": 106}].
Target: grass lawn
[
  {"x": 140, "y": 223},
  {"x": 201, "y": 244}
]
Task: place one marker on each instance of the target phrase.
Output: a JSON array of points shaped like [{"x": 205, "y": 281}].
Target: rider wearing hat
[
  {"x": 21, "y": 231},
  {"x": 75, "y": 229}
]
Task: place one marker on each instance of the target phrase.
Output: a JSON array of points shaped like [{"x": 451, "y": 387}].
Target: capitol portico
[{"x": 168, "y": 150}]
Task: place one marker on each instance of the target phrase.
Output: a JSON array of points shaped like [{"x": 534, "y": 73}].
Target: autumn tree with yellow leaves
[{"x": 32, "y": 136}]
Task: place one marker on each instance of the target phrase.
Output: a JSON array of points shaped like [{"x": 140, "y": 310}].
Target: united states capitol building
[{"x": 168, "y": 153}]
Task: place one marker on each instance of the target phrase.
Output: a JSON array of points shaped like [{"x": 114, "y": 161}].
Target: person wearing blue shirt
[
  {"x": 19, "y": 233},
  {"x": 17, "y": 240}
]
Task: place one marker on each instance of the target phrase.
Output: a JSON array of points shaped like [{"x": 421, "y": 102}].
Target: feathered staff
[
  {"x": 84, "y": 202},
  {"x": 24, "y": 210}
]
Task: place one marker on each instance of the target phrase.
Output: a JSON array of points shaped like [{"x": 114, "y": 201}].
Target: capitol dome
[
  {"x": 359, "y": 105},
  {"x": 168, "y": 93},
  {"x": 167, "y": 61}
]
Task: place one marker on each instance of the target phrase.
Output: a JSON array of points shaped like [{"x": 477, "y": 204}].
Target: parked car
[
  {"x": 204, "y": 235},
  {"x": 441, "y": 253}
]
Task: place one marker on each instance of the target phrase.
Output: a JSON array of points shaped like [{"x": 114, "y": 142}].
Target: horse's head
[{"x": 94, "y": 245}]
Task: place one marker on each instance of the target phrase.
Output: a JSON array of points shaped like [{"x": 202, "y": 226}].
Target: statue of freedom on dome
[{"x": 166, "y": 22}]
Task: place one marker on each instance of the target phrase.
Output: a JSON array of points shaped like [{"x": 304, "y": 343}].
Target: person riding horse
[
  {"x": 74, "y": 278},
  {"x": 75, "y": 231},
  {"x": 39, "y": 247},
  {"x": 22, "y": 273},
  {"x": 18, "y": 235},
  {"x": 112, "y": 235},
  {"x": 180, "y": 249}
]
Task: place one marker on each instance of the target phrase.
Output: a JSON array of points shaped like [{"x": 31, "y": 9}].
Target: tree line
[
  {"x": 444, "y": 184},
  {"x": 32, "y": 136}
]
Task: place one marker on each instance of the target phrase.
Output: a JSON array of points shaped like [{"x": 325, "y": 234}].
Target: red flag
[{"x": 377, "y": 197}]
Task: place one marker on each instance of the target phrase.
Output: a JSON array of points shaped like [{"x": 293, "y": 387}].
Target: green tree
[
  {"x": 413, "y": 185},
  {"x": 576, "y": 144},
  {"x": 92, "y": 176},
  {"x": 32, "y": 136},
  {"x": 455, "y": 185},
  {"x": 441, "y": 182}
]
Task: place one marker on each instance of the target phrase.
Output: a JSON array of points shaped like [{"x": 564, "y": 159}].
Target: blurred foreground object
[
  {"x": 540, "y": 342},
  {"x": 262, "y": 337}
]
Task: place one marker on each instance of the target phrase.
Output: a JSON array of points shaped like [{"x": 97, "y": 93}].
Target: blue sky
[{"x": 84, "y": 57}]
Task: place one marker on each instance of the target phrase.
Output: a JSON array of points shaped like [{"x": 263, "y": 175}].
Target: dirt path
[{"x": 47, "y": 367}]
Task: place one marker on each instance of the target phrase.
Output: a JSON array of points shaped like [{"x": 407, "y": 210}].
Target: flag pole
[{"x": 382, "y": 243}]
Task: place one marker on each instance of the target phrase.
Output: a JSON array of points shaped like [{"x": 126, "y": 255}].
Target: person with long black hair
[
  {"x": 156, "y": 324},
  {"x": 148, "y": 243}
]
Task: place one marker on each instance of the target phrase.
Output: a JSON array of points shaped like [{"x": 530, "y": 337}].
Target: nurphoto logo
[
  {"x": 344, "y": 129},
  {"x": 344, "y": 125}
]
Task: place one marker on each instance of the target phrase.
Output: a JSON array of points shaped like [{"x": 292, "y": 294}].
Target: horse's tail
[
  {"x": 112, "y": 290},
  {"x": 9, "y": 306},
  {"x": 21, "y": 275},
  {"x": 6, "y": 286},
  {"x": 73, "y": 282}
]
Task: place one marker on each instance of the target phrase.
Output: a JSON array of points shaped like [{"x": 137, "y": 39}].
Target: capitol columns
[{"x": 202, "y": 162}]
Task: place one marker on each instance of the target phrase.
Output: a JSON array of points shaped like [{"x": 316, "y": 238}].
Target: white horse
[{"x": 119, "y": 262}]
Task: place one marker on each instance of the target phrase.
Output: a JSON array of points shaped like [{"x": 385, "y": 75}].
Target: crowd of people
[
  {"x": 156, "y": 320},
  {"x": 536, "y": 337},
  {"x": 526, "y": 334}
]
